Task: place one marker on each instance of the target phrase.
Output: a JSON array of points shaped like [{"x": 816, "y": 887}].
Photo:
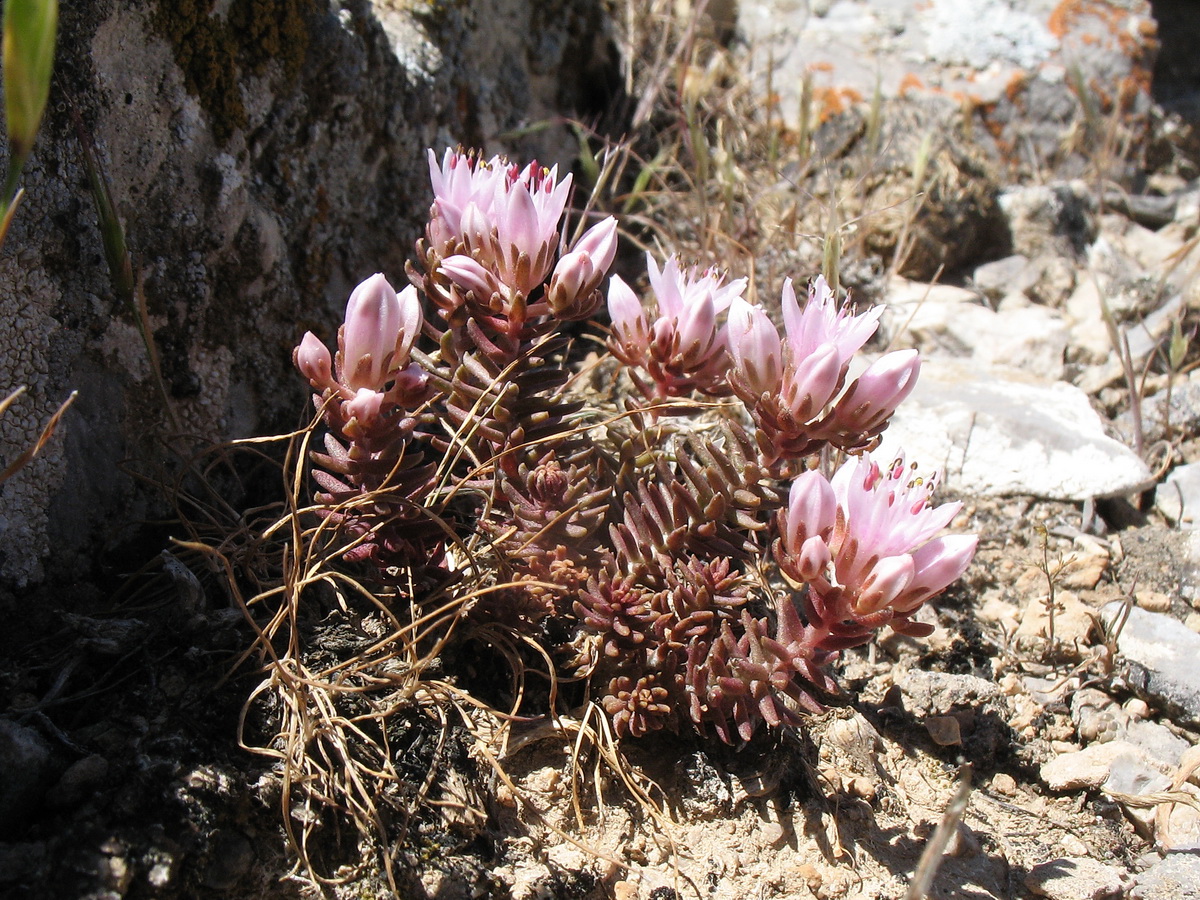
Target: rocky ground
[{"x": 1060, "y": 681}]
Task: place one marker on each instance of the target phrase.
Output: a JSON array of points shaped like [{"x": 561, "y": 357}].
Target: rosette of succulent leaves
[{"x": 700, "y": 578}]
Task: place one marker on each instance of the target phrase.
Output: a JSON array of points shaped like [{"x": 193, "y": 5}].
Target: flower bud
[
  {"x": 628, "y": 318},
  {"x": 811, "y": 510},
  {"x": 578, "y": 274},
  {"x": 812, "y": 383},
  {"x": 468, "y": 275},
  {"x": 600, "y": 242},
  {"x": 696, "y": 330},
  {"x": 875, "y": 394},
  {"x": 378, "y": 333},
  {"x": 813, "y": 559},
  {"x": 312, "y": 358},
  {"x": 755, "y": 348},
  {"x": 366, "y": 406}
]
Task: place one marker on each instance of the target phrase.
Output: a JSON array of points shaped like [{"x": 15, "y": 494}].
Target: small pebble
[
  {"x": 1137, "y": 708},
  {"x": 1153, "y": 601},
  {"x": 1003, "y": 783},
  {"x": 944, "y": 730},
  {"x": 1079, "y": 878}
]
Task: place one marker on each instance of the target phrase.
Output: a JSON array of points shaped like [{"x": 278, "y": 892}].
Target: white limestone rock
[{"x": 999, "y": 432}]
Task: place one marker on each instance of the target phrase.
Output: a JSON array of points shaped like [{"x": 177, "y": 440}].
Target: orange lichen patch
[
  {"x": 833, "y": 101},
  {"x": 1134, "y": 35},
  {"x": 1132, "y": 86},
  {"x": 1068, "y": 12},
  {"x": 1016, "y": 84},
  {"x": 908, "y": 83}
]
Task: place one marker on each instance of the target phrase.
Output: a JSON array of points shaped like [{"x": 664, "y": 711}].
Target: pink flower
[
  {"x": 372, "y": 371},
  {"x": 821, "y": 339},
  {"x": 378, "y": 333},
  {"x": 822, "y": 323},
  {"x": 684, "y": 348},
  {"x": 578, "y": 274},
  {"x": 878, "y": 533},
  {"x": 755, "y": 348},
  {"x": 506, "y": 217},
  {"x": 811, "y": 511},
  {"x": 875, "y": 394},
  {"x": 628, "y": 319}
]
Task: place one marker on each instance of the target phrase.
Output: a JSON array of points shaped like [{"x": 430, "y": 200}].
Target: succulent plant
[{"x": 643, "y": 550}]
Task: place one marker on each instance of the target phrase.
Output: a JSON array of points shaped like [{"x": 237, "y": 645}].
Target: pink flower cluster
[
  {"x": 795, "y": 388},
  {"x": 494, "y": 235},
  {"x": 684, "y": 349},
  {"x": 672, "y": 639},
  {"x": 372, "y": 375},
  {"x": 865, "y": 544}
]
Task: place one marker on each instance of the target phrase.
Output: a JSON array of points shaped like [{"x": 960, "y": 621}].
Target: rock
[
  {"x": 1160, "y": 656},
  {"x": 1156, "y": 739},
  {"x": 27, "y": 764},
  {"x": 1076, "y": 879},
  {"x": 1178, "y": 497},
  {"x": 259, "y": 179},
  {"x": 1090, "y": 342},
  {"x": 1153, "y": 601},
  {"x": 231, "y": 857},
  {"x": 1055, "y": 218},
  {"x": 945, "y": 731},
  {"x": 708, "y": 795},
  {"x": 80, "y": 779},
  {"x": 1096, "y": 715},
  {"x": 1151, "y": 250},
  {"x": 1176, "y": 877},
  {"x": 1137, "y": 301},
  {"x": 1085, "y": 565},
  {"x": 998, "y": 432},
  {"x": 1137, "y": 774},
  {"x": 19, "y": 862},
  {"x": 1182, "y": 832},
  {"x": 1092, "y": 766},
  {"x": 1004, "y": 276},
  {"x": 931, "y": 693},
  {"x": 1009, "y": 65},
  {"x": 1004, "y": 784},
  {"x": 1183, "y": 410},
  {"x": 945, "y": 321}
]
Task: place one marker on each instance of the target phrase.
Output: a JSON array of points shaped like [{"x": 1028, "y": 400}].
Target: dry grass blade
[
  {"x": 27, "y": 455},
  {"x": 931, "y": 858}
]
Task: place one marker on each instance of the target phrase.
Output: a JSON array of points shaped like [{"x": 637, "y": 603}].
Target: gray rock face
[
  {"x": 1010, "y": 64},
  {"x": 263, "y": 164},
  {"x": 940, "y": 320},
  {"x": 1055, "y": 218},
  {"x": 1178, "y": 498},
  {"x": 998, "y": 432},
  {"x": 1076, "y": 879},
  {"x": 1176, "y": 877},
  {"x": 1161, "y": 655},
  {"x": 26, "y": 761}
]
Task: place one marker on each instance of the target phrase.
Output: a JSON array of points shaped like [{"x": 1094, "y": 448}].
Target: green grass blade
[{"x": 29, "y": 32}]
